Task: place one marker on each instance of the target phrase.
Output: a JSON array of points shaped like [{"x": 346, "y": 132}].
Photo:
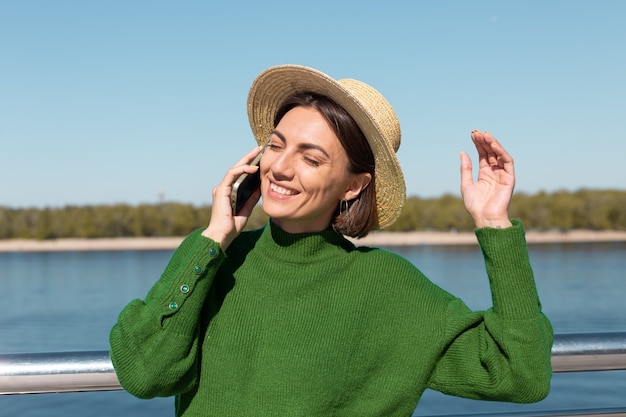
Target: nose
[{"x": 281, "y": 166}]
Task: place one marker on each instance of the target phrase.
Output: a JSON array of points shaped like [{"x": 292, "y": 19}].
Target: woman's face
[{"x": 304, "y": 173}]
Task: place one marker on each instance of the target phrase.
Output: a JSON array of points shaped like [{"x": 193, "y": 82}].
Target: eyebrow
[{"x": 303, "y": 146}]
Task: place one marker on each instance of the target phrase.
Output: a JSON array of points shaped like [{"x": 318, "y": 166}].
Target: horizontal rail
[
  {"x": 33, "y": 373},
  {"x": 36, "y": 373},
  {"x": 579, "y": 352}
]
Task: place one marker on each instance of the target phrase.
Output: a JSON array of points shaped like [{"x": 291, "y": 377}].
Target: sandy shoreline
[{"x": 374, "y": 239}]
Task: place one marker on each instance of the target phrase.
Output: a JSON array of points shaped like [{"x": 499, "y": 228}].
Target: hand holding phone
[{"x": 246, "y": 185}]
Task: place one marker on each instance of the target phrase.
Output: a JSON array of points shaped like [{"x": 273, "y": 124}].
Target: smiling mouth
[{"x": 281, "y": 190}]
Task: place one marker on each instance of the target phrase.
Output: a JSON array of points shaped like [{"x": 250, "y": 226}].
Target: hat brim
[{"x": 276, "y": 84}]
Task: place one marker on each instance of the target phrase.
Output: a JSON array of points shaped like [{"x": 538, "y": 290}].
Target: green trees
[
  {"x": 583, "y": 209},
  {"x": 121, "y": 220},
  {"x": 443, "y": 213}
]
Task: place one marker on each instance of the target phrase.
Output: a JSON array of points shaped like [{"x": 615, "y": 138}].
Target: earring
[{"x": 343, "y": 207}]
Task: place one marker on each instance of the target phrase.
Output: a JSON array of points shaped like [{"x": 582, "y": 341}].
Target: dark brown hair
[{"x": 357, "y": 217}]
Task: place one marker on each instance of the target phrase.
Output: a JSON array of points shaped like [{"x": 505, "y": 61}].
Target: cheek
[
  {"x": 313, "y": 180},
  {"x": 326, "y": 185},
  {"x": 264, "y": 166}
]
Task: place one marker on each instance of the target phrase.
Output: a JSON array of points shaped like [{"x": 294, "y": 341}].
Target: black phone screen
[{"x": 245, "y": 189}]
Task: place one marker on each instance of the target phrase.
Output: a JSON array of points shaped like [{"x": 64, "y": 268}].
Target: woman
[{"x": 293, "y": 319}]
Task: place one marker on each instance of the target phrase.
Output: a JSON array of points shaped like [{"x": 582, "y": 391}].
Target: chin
[{"x": 276, "y": 210}]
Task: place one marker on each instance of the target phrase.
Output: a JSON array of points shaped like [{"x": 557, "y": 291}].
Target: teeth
[{"x": 280, "y": 190}]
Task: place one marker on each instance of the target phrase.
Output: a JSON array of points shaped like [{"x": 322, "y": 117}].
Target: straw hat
[{"x": 368, "y": 108}]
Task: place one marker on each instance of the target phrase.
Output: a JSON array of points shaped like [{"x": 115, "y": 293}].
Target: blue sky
[{"x": 136, "y": 101}]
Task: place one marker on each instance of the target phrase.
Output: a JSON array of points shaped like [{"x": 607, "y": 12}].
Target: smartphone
[{"x": 246, "y": 185}]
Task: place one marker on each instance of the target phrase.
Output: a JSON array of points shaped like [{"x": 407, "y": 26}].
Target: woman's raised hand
[
  {"x": 224, "y": 226},
  {"x": 487, "y": 199}
]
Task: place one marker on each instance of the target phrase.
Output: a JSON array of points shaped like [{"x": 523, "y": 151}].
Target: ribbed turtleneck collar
[{"x": 302, "y": 247}]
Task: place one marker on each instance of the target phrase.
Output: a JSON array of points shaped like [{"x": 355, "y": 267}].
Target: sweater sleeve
[
  {"x": 154, "y": 344},
  {"x": 504, "y": 353}
]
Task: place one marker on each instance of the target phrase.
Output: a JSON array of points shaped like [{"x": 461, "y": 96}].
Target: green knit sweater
[{"x": 310, "y": 325}]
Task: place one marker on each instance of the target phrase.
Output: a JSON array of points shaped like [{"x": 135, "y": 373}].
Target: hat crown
[{"x": 382, "y": 115}]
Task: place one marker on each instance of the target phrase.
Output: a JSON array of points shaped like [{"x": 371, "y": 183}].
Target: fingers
[
  {"x": 490, "y": 151},
  {"x": 466, "y": 171},
  {"x": 223, "y": 224},
  {"x": 247, "y": 158},
  {"x": 483, "y": 143},
  {"x": 221, "y": 192},
  {"x": 241, "y": 166}
]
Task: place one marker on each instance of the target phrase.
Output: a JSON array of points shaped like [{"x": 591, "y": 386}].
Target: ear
[{"x": 357, "y": 184}]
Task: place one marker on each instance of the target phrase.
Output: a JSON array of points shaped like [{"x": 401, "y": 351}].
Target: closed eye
[
  {"x": 278, "y": 141},
  {"x": 311, "y": 162}
]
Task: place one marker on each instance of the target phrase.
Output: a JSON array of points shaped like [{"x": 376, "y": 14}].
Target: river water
[{"x": 68, "y": 301}]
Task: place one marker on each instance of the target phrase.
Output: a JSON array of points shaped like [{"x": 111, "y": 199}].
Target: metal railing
[
  {"x": 33, "y": 373},
  {"x": 36, "y": 373}
]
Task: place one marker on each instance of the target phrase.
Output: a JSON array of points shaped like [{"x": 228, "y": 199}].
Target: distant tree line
[
  {"x": 583, "y": 209},
  {"x": 562, "y": 210}
]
